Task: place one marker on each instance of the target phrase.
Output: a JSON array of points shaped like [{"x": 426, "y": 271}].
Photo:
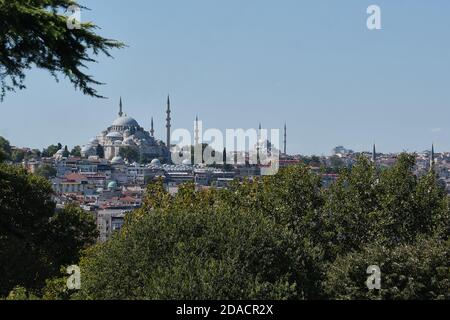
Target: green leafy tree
[
  {"x": 350, "y": 216},
  {"x": 46, "y": 170},
  {"x": 408, "y": 272},
  {"x": 33, "y": 154},
  {"x": 35, "y": 33},
  {"x": 34, "y": 239},
  {"x": 100, "y": 151},
  {"x": 387, "y": 207},
  {"x": 21, "y": 294},
  {"x": 336, "y": 162},
  {"x": 51, "y": 150},
  {"x": 156, "y": 197},
  {"x": 192, "y": 255},
  {"x": 22, "y": 254},
  {"x": 66, "y": 152},
  {"x": 258, "y": 252},
  {"x": 56, "y": 288},
  {"x": 5, "y": 149},
  {"x": 18, "y": 155},
  {"x": 275, "y": 237},
  {"x": 69, "y": 231},
  {"x": 293, "y": 198},
  {"x": 335, "y": 166},
  {"x": 130, "y": 154},
  {"x": 76, "y": 151}
]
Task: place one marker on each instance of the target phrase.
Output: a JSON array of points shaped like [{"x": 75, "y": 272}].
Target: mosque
[{"x": 125, "y": 131}]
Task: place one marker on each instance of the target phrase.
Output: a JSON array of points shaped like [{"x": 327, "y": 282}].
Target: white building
[{"x": 126, "y": 132}]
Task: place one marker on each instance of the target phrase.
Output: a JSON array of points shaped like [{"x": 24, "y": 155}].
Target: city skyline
[
  {"x": 282, "y": 144},
  {"x": 313, "y": 65},
  {"x": 202, "y": 154}
]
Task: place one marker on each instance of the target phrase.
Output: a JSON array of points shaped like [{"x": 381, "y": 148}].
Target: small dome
[
  {"x": 125, "y": 122},
  {"x": 94, "y": 141},
  {"x": 186, "y": 162},
  {"x": 114, "y": 135},
  {"x": 112, "y": 185},
  {"x": 117, "y": 160},
  {"x": 156, "y": 162}
]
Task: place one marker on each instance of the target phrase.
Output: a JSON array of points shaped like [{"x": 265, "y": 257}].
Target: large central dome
[
  {"x": 125, "y": 121},
  {"x": 125, "y": 132}
]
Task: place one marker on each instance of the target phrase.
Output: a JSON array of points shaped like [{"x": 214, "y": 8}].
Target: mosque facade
[{"x": 125, "y": 131}]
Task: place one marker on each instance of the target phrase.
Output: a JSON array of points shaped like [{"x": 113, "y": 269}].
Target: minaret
[
  {"x": 259, "y": 132},
  {"x": 120, "y": 107},
  {"x": 196, "y": 131},
  {"x": 258, "y": 146},
  {"x": 285, "y": 138},
  {"x": 374, "y": 153},
  {"x": 152, "y": 130},
  {"x": 432, "y": 157},
  {"x": 168, "y": 122}
]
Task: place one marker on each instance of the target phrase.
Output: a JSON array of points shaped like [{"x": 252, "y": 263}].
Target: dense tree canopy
[
  {"x": 66, "y": 152},
  {"x": 15, "y": 155},
  {"x": 69, "y": 231},
  {"x": 5, "y": 149},
  {"x": 46, "y": 170},
  {"x": 100, "y": 151},
  {"x": 18, "y": 155},
  {"x": 26, "y": 206},
  {"x": 282, "y": 237},
  {"x": 130, "y": 154},
  {"x": 35, "y": 33},
  {"x": 35, "y": 241},
  {"x": 76, "y": 151},
  {"x": 390, "y": 207},
  {"x": 419, "y": 271},
  {"x": 277, "y": 237},
  {"x": 51, "y": 150},
  {"x": 193, "y": 255}
]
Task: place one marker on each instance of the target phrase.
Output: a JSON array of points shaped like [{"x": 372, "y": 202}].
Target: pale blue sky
[{"x": 236, "y": 63}]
